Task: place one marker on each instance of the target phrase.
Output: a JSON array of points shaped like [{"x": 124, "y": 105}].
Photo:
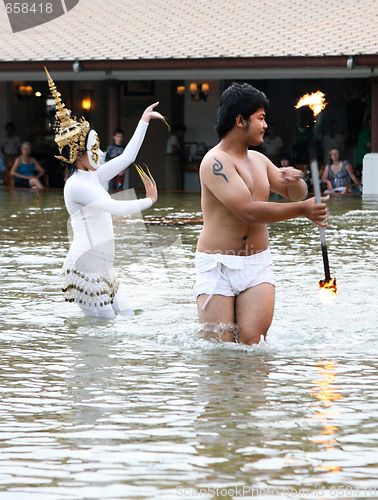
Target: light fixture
[
  {"x": 38, "y": 94},
  {"x": 25, "y": 90},
  {"x": 180, "y": 90},
  {"x": 199, "y": 91},
  {"x": 86, "y": 100}
]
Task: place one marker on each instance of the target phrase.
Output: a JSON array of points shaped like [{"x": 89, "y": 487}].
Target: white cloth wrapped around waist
[{"x": 207, "y": 261}]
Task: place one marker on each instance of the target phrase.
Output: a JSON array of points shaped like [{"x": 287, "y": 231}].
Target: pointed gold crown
[{"x": 68, "y": 131}]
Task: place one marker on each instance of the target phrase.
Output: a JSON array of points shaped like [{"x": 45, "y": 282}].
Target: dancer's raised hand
[{"x": 150, "y": 113}]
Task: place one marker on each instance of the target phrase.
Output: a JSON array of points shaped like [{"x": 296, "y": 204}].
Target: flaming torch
[{"x": 316, "y": 103}]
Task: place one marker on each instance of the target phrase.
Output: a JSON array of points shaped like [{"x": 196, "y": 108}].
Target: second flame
[{"x": 327, "y": 291}]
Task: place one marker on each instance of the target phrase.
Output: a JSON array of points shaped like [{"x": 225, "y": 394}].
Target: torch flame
[
  {"x": 315, "y": 101},
  {"x": 327, "y": 291}
]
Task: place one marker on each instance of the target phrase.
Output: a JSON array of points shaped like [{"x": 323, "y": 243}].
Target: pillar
[
  {"x": 374, "y": 115},
  {"x": 113, "y": 107}
]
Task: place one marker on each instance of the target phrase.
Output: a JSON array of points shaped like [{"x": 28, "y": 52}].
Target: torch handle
[
  {"x": 316, "y": 185},
  {"x": 315, "y": 180}
]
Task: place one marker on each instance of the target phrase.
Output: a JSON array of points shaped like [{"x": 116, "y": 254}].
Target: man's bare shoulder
[
  {"x": 212, "y": 155},
  {"x": 216, "y": 164}
]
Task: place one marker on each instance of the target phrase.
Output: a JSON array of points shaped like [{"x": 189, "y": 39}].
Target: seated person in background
[
  {"x": 285, "y": 161},
  {"x": 338, "y": 174},
  {"x": 24, "y": 170},
  {"x": 2, "y": 170}
]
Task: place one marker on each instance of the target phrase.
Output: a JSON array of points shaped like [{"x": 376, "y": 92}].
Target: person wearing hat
[{"x": 88, "y": 276}]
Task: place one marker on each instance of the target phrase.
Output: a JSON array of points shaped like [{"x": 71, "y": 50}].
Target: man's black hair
[{"x": 238, "y": 99}]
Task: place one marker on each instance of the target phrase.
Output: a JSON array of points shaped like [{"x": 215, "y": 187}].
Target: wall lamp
[
  {"x": 198, "y": 91},
  {"x": 86, "y": 100},
  {"x": 24, "y": 92},
  {"x": 180, "y": 90}
]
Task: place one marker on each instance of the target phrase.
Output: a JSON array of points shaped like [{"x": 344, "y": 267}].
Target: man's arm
[
  {"x": 287, "y": 181},
  {"x": 219, "y": 175}
]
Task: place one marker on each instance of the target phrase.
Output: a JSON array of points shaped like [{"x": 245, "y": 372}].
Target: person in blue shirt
[
  {"x": 2, "y": 170},
  {"x": 26, "y": 170},
  {"x": 338, "y": 174},
  {"x": 120, "y": 181}
]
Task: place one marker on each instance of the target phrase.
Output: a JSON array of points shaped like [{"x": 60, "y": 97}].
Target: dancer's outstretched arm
[{"x": 82, "y": 194}]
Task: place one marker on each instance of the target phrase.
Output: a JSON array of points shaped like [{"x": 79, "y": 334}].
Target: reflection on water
[
  {"x": 144, "y": 407},
  {"x": 325, "y": 413}
]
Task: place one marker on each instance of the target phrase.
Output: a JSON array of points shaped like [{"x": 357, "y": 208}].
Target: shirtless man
[{"x": 235, "y": 282}]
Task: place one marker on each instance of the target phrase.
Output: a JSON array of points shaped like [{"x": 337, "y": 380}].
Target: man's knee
[
  {"x": 253, "y": 330},
  {"x": 224, "y": 332},
  {"x": 251, "y": 336}
]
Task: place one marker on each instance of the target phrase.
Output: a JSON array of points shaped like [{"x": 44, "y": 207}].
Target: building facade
[{"x": 110, "y": 61}]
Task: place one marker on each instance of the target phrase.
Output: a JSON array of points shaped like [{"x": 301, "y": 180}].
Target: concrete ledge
[{"x": 370, "y": 175}]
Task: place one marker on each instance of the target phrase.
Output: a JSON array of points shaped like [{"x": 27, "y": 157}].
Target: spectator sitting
[
  {"x": 285, "y": 161},
  {"x": 332, "y": 140},
  {"x": 338, "y": 174},
  {"x": 24, "y": 167},
  {"x": 2, "y": 171}
]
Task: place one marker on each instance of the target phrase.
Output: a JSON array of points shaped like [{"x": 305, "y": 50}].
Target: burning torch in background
[{"x": 315, "y": 103}]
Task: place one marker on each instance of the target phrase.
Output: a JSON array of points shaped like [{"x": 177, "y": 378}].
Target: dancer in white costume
[{"x": 88, "y": 277}]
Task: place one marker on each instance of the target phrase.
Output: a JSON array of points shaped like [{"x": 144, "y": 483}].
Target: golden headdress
[{"x": 68, "y": 131}]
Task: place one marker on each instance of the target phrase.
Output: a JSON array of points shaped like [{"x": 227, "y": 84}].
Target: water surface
[{"x": 144, "y": 408}]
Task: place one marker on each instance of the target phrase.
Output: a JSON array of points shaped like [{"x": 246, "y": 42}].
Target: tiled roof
[{"x": 166, "y": 29}]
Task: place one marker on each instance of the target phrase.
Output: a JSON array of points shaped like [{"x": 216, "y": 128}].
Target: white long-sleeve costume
[{"x": 88, "y": 277}]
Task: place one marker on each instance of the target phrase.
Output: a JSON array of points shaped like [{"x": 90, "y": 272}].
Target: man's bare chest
[{"x": 254, "y": 177}]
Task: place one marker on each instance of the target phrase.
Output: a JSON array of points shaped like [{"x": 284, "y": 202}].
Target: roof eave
[{"x": 198, "y": 63}]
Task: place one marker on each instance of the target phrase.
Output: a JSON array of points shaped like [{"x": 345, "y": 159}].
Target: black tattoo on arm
[{"x": 217, "y": 168}]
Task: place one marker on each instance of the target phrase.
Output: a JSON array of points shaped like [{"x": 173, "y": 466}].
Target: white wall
[{"x": 370, "y": 175}]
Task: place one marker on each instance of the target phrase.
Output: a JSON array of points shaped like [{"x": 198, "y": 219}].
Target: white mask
[{"x": 95, "y": 155}]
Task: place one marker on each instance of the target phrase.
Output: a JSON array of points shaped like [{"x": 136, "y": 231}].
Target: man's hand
[
  {"x": 287, "y": 181},
  {"x": 316, "y": 212},
  {"x": 290, "y": 175}
]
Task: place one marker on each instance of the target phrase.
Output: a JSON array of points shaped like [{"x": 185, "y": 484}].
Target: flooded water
[{"x": 144, "y": 408}]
